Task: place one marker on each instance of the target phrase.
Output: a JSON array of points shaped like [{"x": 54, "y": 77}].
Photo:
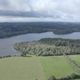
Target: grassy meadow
[{"x": 35, "y": 68}]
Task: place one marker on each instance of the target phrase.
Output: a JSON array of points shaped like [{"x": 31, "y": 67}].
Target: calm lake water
[{"x": 6, "y": 45}]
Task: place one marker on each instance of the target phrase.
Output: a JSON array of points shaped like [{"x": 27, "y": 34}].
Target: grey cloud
[
  {"x": 3, "y": 2},
  {"x": 63, "y": 9}
]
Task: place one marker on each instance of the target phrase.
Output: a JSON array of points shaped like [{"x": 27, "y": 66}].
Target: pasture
[{"x": 35, "y": 68}]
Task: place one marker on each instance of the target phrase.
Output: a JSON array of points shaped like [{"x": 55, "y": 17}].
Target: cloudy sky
[{"x": 39, "y": 10}]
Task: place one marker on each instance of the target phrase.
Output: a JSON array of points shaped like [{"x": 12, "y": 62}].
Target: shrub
[
  {"x": 52, "y": 78},
  {"x": 73, "y": 76}
]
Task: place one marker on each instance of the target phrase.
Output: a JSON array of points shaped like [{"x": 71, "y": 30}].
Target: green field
[{"x": 35, "y": 68}]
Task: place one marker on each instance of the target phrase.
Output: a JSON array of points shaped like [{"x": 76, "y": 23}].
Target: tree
[{"x": 52, "y": 78}]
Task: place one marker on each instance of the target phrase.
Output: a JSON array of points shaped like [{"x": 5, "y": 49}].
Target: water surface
[{"x": 6, "y": 45}]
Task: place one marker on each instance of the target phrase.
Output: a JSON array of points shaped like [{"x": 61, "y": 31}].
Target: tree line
[
  {"x": 49, "y": 47},
  {"x": 16, "y": 28}
]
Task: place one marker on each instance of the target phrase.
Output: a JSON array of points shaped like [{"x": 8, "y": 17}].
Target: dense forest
[
  {"x": 13, "y": 29},
  {"x": 49, "y": 47}
]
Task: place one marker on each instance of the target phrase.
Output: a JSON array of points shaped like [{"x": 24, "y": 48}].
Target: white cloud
[
  {"x": 33, "y": 19},
  {"x": 63, "y": 9},
  {"x": 21, "y": 19}
]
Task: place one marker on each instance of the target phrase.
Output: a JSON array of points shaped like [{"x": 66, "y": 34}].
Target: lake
[{"x": 6, "y": 44}]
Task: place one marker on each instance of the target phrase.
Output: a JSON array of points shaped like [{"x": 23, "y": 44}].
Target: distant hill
[{"x": 13, "y": 29}]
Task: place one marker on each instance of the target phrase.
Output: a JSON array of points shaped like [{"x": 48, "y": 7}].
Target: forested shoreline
[
  {"x": 49, "y": 47},
  {"x": 16, "y": 28}
]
